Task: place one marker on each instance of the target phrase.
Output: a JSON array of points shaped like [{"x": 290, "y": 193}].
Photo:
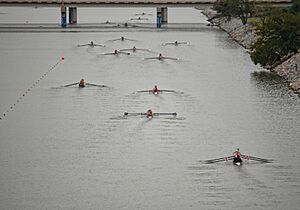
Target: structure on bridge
[
  {"x": 161, "y": 15},
  {"x": 161, "y": 5}
]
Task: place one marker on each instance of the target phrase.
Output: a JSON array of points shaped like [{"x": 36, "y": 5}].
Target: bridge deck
[{"x": 125, "y": 2}]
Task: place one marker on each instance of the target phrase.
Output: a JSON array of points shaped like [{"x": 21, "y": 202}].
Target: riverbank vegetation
[
  {"x": 242, "y": 9},
  {"x": 278, "y": 35},
  {"x": 278, "y": 29}
]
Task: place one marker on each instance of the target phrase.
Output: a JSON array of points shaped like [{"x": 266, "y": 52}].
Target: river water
[{"x": 70, "y": 148}]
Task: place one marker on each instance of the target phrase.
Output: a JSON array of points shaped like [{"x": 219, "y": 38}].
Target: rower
[
  {"x": 92, "y": 43},
  {"x": 160, "y": 57},
  {"x": 81, "y": 83},
  {"x": 115, "y": 52},
  {"x": 237, "y": 153},
  {"x": 237, "y": 156},
  {"x": 122, "y": 38},
  {"x": 134, "y": 49},
  {"x": 155, "y": 90},
  {"x": 176, "y": 43},
  {"x": 149, "y": 113}
]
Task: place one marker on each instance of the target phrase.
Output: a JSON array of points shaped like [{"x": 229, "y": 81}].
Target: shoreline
[{"x": 245, "y": 35}]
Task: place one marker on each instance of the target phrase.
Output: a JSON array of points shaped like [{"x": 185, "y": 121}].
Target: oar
[
  {"x": 168, "y": 43},
  {"x": 142, "y": 49},
  {"x": 82, "y": 45},
  {"x": 124, "y": 53},
  {"x": 255, "y": 158},
  {"x": 170, "y": 58},
  {"x": 109, "y": 54},
  {"x": 133, "y": 114},
  {"x": 219, "y": 160},
  {"x": 125, "y": 49},
  {"x": 151, "y": 58},
  {"x": 112, "y": 40},
  {"x": 95, "y": 85},
  {"x": 130, "y": 39},
  {"x": 100, "y": 45},
  {"x": 168, "y": 91},
  {"x": 166, "y": 113},
  {"x": 144, "y": 91},
  {"x": 71, "y": 84},
  {"x": 172, "y": 91}
]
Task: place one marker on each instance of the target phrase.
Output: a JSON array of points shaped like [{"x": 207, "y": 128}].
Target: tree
[
  {"x": 278, "y": 36},
  {"x": 262, "y": 13},
  {"x": 235, "y": 8},
  {"x": 295, "y": 8}
]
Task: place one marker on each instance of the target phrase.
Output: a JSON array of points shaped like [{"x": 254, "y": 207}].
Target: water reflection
[
  {"x": 267, "y": 78},
  {"x": 270, "y": 83}
]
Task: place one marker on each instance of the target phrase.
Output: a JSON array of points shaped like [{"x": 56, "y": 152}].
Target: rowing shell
[
  {"x": 122, "y": 39},
  {"x": 237, "y": 161},
  {"x": 154, "y": 114},
  {"x": 161, "y": 58},
  {"x": 135, "y": 49},
  {"x": 85, "y": 84},
  {"x": 156, "y": 92},
  {"x": 174, "y": 43},
  {"x": 117, "y": 53},
  {"x": 91, "y": 45}
]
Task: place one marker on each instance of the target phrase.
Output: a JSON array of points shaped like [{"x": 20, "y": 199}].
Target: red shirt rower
[
  {"x": 237, "y": 153},
  {"x": 155, "y": 89}
]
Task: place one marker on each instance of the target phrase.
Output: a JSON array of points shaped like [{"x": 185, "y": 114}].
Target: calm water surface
[{"x": 68, "y": 148}]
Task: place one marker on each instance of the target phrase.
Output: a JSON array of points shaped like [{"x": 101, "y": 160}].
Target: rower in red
[
  {"x": 149, "y": 113},
  {"x": 237, "y": 157},
  {"x": 155, "y": 90},
  {"x": 81, "y": 83},
  {"x": 237, "y": 153}
]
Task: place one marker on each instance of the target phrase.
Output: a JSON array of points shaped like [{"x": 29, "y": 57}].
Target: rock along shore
[{"x": 245, "y": 35}]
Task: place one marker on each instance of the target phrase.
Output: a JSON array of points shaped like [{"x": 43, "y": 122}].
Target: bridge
[{"x": 162, "y": 5}]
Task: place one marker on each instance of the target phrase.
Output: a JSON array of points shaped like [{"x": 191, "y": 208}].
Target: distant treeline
[{"x": 278, "y": 29}]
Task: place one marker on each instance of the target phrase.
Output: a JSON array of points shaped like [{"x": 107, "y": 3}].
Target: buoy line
[{"x": 30, "y": 88}]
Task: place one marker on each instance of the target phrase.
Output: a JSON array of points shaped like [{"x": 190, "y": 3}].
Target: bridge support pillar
[
  {"x": 161, "y": 16},
  {"x": 158, "y": 18},
  {"x": 63, "y": 22},
  {"x": 164, "y": 15},
  {"x": 72, "y": 15}
]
